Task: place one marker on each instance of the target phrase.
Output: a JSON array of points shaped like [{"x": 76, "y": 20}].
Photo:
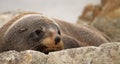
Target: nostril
[{"x": 57, "y": 40}]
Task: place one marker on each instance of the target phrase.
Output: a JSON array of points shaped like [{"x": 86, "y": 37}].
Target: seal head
[{"x": 34, "y": 32}]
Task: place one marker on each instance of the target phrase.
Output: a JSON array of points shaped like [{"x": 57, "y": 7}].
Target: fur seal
[{"x": 38, "y": 32}]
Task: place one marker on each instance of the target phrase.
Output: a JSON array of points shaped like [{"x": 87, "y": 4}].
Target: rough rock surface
[
  {"x": 105, "y": 54},
  {"x": 105, "y": 17},
  {"x": 89, "y": 14},
  {"x": 109, "y": 23},
  {"x": 91, "y": 11}
]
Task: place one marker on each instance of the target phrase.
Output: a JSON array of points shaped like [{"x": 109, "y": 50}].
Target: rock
[
  {"x": 89, "y": 13},
  {"x": 108, "y": 53},
  {"x": 115, "y": 2},
  {"x": 109, "y": 6},
  {"x": 81, "y": 55},
  {"x": 24, "y": 57},
  {"x": 109, "y": 24},
  {"x": 104, "y": 17}
]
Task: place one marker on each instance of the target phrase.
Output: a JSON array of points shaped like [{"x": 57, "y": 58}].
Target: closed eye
[
  {"x": 59, "y": 32},
  {"x": 38, "y": 32}
]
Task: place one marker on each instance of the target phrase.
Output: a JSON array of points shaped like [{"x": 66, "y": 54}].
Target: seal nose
[{"x": 57, "y": 40}]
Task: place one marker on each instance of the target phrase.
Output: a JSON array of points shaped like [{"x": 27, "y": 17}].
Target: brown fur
[
  {"x": 81, "y": 33},
  {"x": 26, "y": 34}
]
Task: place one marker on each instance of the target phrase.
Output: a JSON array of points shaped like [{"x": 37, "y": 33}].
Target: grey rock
[
  {"x": 108, "y": 53},
  {"x": 108, "y": 20},
  {"x": 108, "y": 25}
]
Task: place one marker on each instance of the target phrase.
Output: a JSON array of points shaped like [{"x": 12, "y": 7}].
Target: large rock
[
  {"x": 109, "y": 6},
  {"x": 105, "y": 54},
  {"x": 91, "y": 11},
  {"x": 110, "y": 2},
  {"x": 105, "y": 17},
  {"x": 89, "y": 14},
  {"x": 109, "y": 24}
]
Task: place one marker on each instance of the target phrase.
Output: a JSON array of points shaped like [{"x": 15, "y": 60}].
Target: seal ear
[{"x": 70, "y": 42}]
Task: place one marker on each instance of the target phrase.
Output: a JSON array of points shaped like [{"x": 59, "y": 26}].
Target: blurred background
[
  {"x": 104, "y": 15},
  {"x": 68, "y": 10}
]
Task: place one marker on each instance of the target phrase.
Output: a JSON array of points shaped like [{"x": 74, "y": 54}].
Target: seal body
[{"x": 41, "y": 33}]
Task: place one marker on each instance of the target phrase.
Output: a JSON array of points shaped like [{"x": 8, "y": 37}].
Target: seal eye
[
  {"x": 59, "y": 32},
  {"x": 38, "y": 32},
  {"x": 36, "y": 35}
]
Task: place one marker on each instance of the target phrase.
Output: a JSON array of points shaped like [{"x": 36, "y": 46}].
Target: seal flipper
[{"x": 70, "y": 42}]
